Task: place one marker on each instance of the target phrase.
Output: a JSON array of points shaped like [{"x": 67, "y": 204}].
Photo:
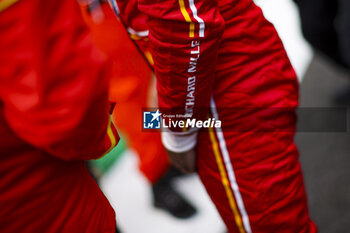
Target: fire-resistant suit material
[
  {"x": 223, "y": 56},
  {"x": 53, "y": 116},
  {"x": 129, "y": 88}
]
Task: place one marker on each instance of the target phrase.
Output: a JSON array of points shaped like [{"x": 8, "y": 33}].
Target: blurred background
[{"x": 325, "y": 156}]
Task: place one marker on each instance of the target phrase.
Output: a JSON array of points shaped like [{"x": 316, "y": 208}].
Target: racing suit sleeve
[
  {"x": 55, "y": 88},
  {"x": 184, "y": 37}
]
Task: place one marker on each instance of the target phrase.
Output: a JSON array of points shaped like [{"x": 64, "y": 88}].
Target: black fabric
[
  {"x": 326, "y": 25},
  {"x": 167, "y": 198},
  {"x": 344, "y": 30}
]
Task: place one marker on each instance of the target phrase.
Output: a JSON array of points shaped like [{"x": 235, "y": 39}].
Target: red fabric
[
  {"x": 255, "y": 90},
  {"x": 171, "y": 47},
  {"x": 53, "y": 116},
  {"x": 130, "y": 84},
  {"x": 243, "y": 66},
  {"x": 131, "y": 15}
]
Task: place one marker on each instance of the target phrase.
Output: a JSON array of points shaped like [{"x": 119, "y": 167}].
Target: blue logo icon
[{"x": 151, "y": 120}]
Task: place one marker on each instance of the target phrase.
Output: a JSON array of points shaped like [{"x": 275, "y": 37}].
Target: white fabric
[{"x": 179, "y": 142}]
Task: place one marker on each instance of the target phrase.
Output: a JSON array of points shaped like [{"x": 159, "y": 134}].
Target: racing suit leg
[
  {"x": 154, "y": 161},
  {"x": 250, "y": 168}
]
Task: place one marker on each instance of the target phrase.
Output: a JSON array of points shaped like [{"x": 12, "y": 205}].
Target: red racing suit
[
  {"x": 53, "y": 116},
  {"x": 222, "y": 58},
  {"x": 129, "y": 88}
]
